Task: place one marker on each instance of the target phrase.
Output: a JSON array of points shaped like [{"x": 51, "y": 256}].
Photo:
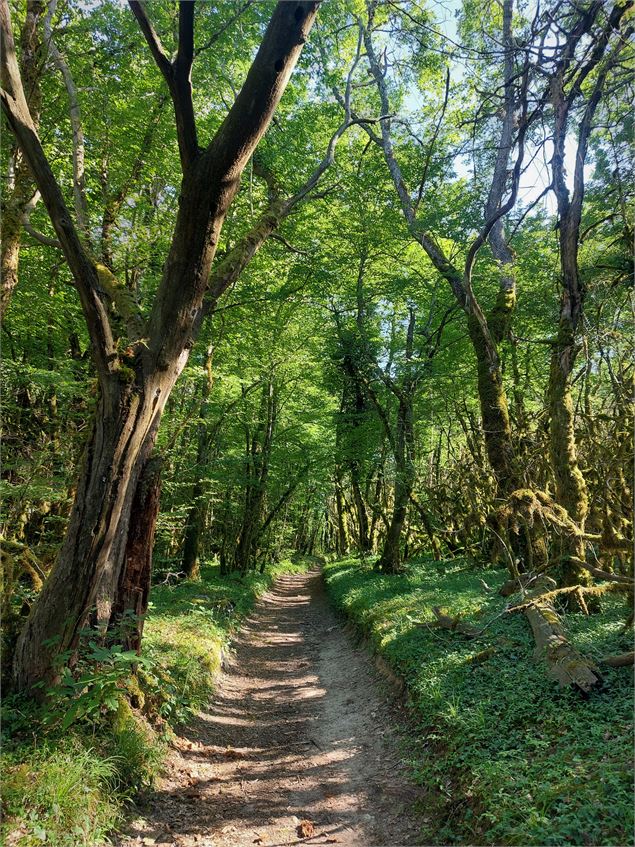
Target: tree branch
[
  {"x": 177, "y": 74},
  {"x": 18, "y": 116}
]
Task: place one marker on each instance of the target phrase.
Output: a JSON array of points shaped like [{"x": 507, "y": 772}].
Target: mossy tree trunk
[
  {"x": 497, "y": 432},
  {"x": 565, "y": 88}
]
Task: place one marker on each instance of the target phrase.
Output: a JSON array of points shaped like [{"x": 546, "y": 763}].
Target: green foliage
[
  {"x": 93, "y": 687},
  {"x": 58, "y": 795},
  {"x": 188, "y": 628},
  {"x": 507, "y": 757}
]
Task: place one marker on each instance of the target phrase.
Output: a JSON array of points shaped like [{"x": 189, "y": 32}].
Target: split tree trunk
[
  {"x": 84, "y": 582},
  {"x": 131, "y": 602}
]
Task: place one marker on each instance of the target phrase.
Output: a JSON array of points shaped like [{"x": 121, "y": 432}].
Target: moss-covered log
[{"x": 565, "y": 664}]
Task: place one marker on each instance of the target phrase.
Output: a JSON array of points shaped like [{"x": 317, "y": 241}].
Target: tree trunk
[
  {"x": 131, "y": 602},
  {"x": 132, "y": 400},
  {"x": 571, "y": 489},
  {"x": 196, "y": 515},
  {"x": 494, "y": 411},
  {"x": 566, "y": 666},
  {"x": 360, "y": 509},
  {"x": 390, "y": 560},
  {"x": 85, "y": 579},
  {"x": 193, "y": 532},
  {"x": 16, "y": 201},
  {"x": 342, "y": 545},
  {"x": 11, "y": 236},
  {"x": 258, "y": 457}
]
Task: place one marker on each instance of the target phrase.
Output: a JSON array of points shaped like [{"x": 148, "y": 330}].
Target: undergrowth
[
  {"x": 506, "y": 757},
  {"x": 70, "y": 764}
]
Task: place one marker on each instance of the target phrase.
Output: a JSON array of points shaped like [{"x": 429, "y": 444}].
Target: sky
[{"x": 537, "y": 175}]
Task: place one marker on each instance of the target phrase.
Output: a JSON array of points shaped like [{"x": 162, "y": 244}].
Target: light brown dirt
[{"x": 301, "y": 729}]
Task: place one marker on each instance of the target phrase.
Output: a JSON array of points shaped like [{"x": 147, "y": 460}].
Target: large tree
[{"x": 137, "y": 368}]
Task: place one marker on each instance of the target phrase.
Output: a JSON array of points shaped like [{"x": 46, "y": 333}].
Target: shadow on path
[{"x": 299, "y": 729}]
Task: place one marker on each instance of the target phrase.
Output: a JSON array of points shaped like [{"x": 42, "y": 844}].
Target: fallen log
[
  {"x": 622, "y": 660},
  {"x": 565, "y": 664}
]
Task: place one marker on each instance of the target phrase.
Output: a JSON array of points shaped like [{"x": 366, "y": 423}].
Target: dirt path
[{"x": 300, "y": 729}]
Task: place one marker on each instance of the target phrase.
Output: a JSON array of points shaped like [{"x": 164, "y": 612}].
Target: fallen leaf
[
  {"x": 306, "y": 829},
  {"x": 230, "y": 753}
]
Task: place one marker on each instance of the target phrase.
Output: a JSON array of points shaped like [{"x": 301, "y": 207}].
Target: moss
[
  {"x": 499, "y": 319},
  {"x": 494, "y": 409},
  {"x": 571, "y": 489}
]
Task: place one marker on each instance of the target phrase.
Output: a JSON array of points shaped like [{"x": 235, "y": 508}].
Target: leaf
[{"x": 305, "y": 829}]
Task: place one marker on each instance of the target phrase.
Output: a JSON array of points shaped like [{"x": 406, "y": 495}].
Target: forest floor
[{"x": 298, "y": 745}]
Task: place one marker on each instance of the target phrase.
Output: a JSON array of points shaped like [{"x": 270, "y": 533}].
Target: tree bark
[
  {"x": 342, "y": 544},
  {"x": 84, "y": 580},
  {"x": 565, "y": 665},
  {"x": 257, "y": 466},
  {"x": 131, "y": 602},
  {"x": 571, "y": 489},
  {"x": 497, "y": 431}
]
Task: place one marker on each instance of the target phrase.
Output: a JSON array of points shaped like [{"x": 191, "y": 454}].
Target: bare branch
[
  {"x": 232, "y": 20},
  {"x": 79, "y": 175}
]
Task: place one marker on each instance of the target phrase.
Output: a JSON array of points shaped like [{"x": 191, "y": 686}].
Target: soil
[{"x": 299, "y": 745}]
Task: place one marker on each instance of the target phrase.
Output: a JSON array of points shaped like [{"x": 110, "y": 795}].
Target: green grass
[
  {"x": 60, "y": 794},
  {"x": 506, "y": 757},
  {"x": 67, "y": 789}
]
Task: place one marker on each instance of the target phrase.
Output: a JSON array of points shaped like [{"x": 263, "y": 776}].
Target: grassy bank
[
  {"x": 69, "y": 767},
  {"x": 506, "y": 757}
]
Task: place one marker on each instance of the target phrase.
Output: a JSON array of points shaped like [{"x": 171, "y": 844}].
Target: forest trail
[{"x": 300, "y": 729}]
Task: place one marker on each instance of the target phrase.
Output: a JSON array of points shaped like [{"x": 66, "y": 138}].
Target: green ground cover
[{"x": 506, "y": 757}]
